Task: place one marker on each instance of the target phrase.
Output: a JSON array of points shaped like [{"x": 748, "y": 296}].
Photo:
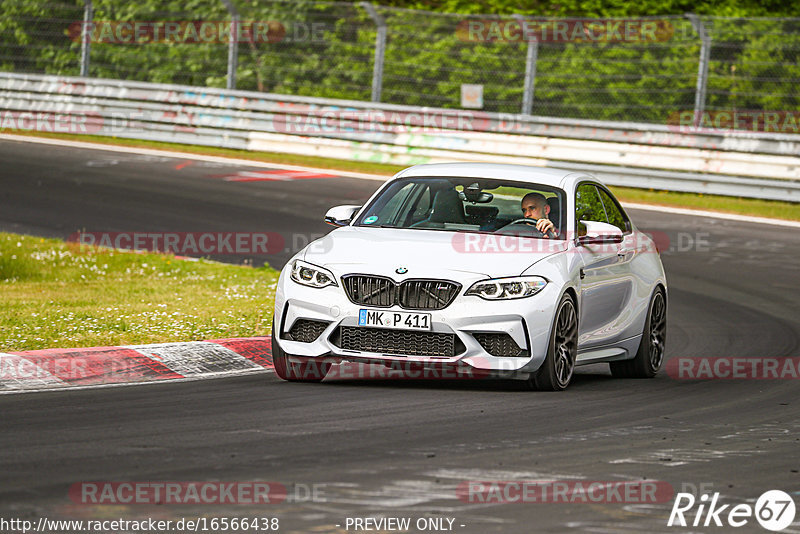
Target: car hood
[{"x": 428, "y": 253}]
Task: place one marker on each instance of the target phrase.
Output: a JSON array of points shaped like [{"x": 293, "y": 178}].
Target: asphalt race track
[{"x": 401, "y": 448}]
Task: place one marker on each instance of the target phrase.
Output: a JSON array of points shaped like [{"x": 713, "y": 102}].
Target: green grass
[
  {"x": 741, "y": 206},
  {"x": 58, "y": 294}
]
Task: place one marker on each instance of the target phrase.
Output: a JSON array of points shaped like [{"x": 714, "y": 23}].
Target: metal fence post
[
  {"x": 86, "y": 45},
  {"x": 531, "y": 57},
  {"x": 380, "y": 50},
  {"x": 233, "y": 44},
  {"x": 702, "y": 68}
]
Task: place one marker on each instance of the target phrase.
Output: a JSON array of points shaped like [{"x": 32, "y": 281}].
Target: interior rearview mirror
[{"x": 473, "y": 193}]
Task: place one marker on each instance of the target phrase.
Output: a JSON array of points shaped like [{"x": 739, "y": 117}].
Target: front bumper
[{"x": 527, "y": 321}]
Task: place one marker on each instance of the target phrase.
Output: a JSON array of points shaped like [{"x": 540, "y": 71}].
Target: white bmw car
[{"x": 442, "y": 269}]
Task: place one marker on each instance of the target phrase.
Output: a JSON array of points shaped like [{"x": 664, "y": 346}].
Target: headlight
[
  {"x": 312, "y": 276},
  {"x": 507, "y": 288}
]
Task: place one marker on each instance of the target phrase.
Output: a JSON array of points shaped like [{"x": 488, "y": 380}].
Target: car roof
[{"x": 521, "y": 173}]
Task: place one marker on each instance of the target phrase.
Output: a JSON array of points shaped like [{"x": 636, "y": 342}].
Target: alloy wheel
[
  {"x": 658, "y": 323},
  {"x": 566, "y": 343}
]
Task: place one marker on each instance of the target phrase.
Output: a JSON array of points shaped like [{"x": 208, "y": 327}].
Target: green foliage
[
  {"x": 606, "y": 8},
  {"x": 33, "y": 37},
  {"x": 755, "y": 65},
  {"x": 326, "y": 49}
]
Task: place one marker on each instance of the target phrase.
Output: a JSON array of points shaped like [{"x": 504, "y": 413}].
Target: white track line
[
  {"x": 188, "y": 155},
  {"x": 715, "y": 214},
  {"x": 361, "y": 175}
]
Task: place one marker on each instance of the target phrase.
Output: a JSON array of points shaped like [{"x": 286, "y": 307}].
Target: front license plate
[{"x": 394, "y": 319}]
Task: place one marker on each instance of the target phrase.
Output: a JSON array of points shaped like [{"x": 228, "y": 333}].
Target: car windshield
[{"x": 465, "y": 205}]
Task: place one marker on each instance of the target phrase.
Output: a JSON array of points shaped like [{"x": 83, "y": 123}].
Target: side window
[
  {"x": 556, "y": 211},
  {"x": 615, "y": 215},
  {"x": 588, "y": 206},
  {"x": 423, "y": 206},
  {"x": 388, "y": 212}
]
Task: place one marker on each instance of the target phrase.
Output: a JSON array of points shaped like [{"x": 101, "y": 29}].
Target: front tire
[
  {"x": 650, "y": 355},
  {"x": 556, "y": 372},
  {"x": 310, "y": 370}
]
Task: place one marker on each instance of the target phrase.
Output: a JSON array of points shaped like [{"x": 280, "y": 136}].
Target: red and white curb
[{"x": 105, "y": 366}]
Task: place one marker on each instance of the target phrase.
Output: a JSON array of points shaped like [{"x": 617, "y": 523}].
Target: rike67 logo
[{"x": 774, "y": 510}]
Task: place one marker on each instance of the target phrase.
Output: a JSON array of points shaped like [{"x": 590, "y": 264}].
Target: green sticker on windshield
[{"x": 371, "y": 219}]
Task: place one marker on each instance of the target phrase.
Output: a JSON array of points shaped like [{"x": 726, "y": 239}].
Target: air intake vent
[
  {"x": 401, "y": 342},
  {"x": 500, "y": 344},
  {"x": 306, "y": 330}
]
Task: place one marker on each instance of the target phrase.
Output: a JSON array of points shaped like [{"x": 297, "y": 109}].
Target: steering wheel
[{"x": 532, "y": 222}]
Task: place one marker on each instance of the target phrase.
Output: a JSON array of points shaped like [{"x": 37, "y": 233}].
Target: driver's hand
[{"x": 545, "y": 226}]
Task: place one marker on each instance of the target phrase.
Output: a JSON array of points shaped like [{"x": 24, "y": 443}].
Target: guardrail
[{"x": 753, "y": 164}]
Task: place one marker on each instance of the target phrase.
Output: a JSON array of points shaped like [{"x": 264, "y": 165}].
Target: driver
[{"x": 535, "y": 206}]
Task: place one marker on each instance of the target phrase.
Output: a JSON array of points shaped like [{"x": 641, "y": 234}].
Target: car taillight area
[{"x": 418, "y": 294}]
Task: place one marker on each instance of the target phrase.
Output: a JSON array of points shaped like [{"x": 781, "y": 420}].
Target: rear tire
[
  {"x": 309, "y": 370},
  {"x": 556, "y": 372},
  {"x": 650, "y": 355}
]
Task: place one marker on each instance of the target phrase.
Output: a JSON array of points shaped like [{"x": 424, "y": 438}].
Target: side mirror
[
  {"x": 599, "y": 232},
  {"x": 341, "y": 215}
]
